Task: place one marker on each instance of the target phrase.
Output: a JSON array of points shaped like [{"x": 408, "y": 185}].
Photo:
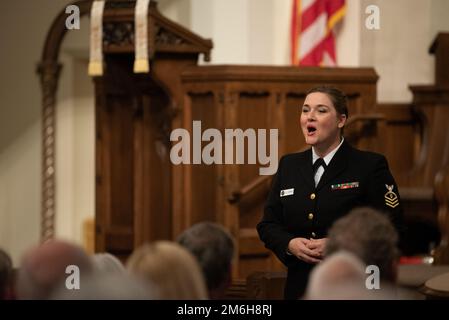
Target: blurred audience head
[
  {"x": 101, "y": 285},
  {"x": 6, "y": 272},
  {"x": 44, "y": 267},
  {"x": 172, "y": 269},
  {"x": 107, "y": 263},
  {"x": 339, "y": 276},
  {"x": 368, "y": 234},
  {"x": 213, "y": 247}
]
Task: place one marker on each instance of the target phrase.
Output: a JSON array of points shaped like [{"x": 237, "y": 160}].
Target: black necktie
[{"x": 318, "y": 163}]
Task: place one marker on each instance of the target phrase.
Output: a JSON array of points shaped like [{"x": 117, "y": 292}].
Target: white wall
[
  {"x": 177, "y": 10},
  {"x": 439, "y": 16},
  {"x": 398, "y": 51},
  {"x": 75, "y": 156},
  {"x": 20, "y": 190},
  {"x": 243, "y": 32},
  {"x": 23, "y": 26},
  {"x": 349, "y": 36}
]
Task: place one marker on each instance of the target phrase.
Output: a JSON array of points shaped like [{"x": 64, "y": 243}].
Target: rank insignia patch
[
  {"x": 342, "y": 186},
  {"x": 391, "y": 199}
]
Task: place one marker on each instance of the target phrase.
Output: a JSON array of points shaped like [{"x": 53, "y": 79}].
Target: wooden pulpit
[{"x": 136, "y": 184}]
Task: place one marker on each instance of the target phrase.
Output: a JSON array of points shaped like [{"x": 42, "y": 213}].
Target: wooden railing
[{"x": 261, "y": 182}]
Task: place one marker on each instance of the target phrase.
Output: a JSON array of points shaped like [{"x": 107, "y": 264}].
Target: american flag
[{"x": 312, "y": 31}]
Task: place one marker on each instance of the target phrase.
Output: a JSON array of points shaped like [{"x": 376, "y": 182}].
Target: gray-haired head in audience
[
  {"x": 340, "y": 276},
  {"x": 108, "y": 263},
  {"x": 213, "y": 247},
  {"x": 368, "y": 234}
]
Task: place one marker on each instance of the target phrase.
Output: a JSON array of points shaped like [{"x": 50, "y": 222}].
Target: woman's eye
[
  {"x": 322, "y": 110},
  {"x": 305, "y": 110}
]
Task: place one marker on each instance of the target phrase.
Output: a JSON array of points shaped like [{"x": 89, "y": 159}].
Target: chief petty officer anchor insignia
[{"x": 391, "y": 199}]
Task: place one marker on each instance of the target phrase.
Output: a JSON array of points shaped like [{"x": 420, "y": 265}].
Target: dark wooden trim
[
  {"x": 431, "y": 94},
  {"x": 278, "y": 74}
]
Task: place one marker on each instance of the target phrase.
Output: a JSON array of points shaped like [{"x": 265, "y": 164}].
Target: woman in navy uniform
[{"x": 314, "y": 188}]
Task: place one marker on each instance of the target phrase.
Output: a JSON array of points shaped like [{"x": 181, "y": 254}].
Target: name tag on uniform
[
  {"x": 287, "y": 192},
  {"x": 342, "y": 186}
]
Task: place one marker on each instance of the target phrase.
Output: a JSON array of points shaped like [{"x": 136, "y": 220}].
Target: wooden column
[
  {"x": 49, "y": 73},
  {"x": 440, "y": 48},
  {"x": 442, "y": 194}
]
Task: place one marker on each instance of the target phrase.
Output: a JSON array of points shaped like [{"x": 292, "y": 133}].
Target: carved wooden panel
[
  {"x": 133, "y": 165},
  {"x": 401, "y": 125},
  {"x": 204, "y": 180},
  {"x": 292, "y": 138}
]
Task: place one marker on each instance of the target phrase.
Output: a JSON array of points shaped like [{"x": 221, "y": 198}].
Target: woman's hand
[
  {"x": 317, "y": 246},
  {"x": 300, "y": 247}
]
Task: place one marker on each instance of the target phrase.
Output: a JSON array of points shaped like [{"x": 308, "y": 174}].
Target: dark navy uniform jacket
[{"x": 296, "y": 208}]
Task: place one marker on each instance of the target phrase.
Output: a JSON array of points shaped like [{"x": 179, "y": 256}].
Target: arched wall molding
[{"x": 49, "y": 70}]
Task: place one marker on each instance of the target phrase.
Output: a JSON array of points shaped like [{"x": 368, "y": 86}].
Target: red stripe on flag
[
  {"x": 333, "y": 6},
  {"x": 315, "y": 56},
  {"x": 329, "y": 47},
  {"x": 309, "y": 16}
]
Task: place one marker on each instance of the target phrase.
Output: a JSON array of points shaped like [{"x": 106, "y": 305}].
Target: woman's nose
[{"x": 311, "y": 116}]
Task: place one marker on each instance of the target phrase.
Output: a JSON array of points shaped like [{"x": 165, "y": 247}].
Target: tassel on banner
[
  {"x": 141, "y": 63},
  {"x": 95, "y": 69},
  {"x": 96, "y": 39},
  {"x": 141, "y": 66}
]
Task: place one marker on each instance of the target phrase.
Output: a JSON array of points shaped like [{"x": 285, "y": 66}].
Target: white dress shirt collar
[{"x": 329, "y": 156}]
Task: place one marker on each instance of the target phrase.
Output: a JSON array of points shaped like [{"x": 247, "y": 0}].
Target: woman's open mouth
[{"x": 311, "y": 130}]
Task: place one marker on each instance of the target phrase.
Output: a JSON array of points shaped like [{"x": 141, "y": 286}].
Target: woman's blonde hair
[{"x": 171, "y": 268}]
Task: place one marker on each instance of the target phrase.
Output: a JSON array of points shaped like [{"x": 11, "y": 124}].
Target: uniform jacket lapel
[
  {"x": 305, "y": 167},
  {"x": 336, "y": 166}
]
